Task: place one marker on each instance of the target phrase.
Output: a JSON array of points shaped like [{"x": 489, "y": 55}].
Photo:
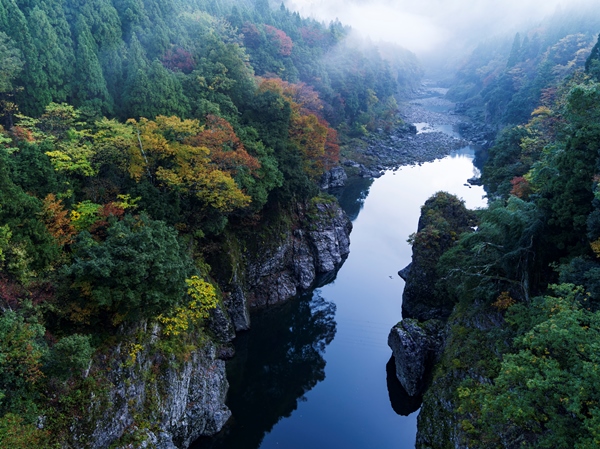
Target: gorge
[{"x": 326, "y": 367}]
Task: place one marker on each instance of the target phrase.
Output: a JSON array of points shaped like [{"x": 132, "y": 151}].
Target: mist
[{"x": 428, "y": 26}]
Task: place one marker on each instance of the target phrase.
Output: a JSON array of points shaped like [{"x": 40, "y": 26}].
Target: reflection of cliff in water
[
  {"x": 402, "y": 403},
  {"x": 352, "y": 196},
  {"x": 276, "y": 363}
]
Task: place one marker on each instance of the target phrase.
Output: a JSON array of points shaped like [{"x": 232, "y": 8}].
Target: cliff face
[
  {"x": 311, "y": 245},
  {"x": 150, "y": 399},
  {"x": 443, "y": 218},
  {"x": 150, "y": 396},
  {"x": 417, "y": 342},
  {"x": 416, "y": 347}
]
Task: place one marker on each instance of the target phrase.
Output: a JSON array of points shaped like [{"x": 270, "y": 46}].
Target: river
[{"x": 312, "y": 373}]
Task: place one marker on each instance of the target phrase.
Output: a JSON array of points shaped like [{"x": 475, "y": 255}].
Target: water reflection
[
  {"x": 275, "y": 365},
  {"x": 402, "y": 403},
  {"x": 352, "y": 197}
]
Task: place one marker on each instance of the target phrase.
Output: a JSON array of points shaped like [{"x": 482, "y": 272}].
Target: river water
[{"x": 312, "y": 373}]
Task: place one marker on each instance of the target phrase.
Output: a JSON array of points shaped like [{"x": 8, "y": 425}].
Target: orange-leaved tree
[
  {"x": 162, "y": 152},
  {"x": 226, "y": 150},
  {"x": 309, "y": 131}
]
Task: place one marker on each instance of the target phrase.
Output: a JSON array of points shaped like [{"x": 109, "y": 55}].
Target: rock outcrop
[
  {"x": 295, "y": 258},
  {"x": 318, "y": 247},
  {"x": 334, "y": 178},
  {"x": 417, "y": 347},
  {"x": 443, "y": 218},
  {"x": 157, "y": 400},
  {"x": 418, "y": 341}
]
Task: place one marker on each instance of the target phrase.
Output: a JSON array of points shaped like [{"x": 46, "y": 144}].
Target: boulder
[{"x": 416, "y": 347}]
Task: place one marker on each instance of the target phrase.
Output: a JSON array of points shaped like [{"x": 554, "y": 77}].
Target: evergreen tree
[
  {"x": 90, "y": 87},
  {"x": 515, "y": 52},
  {"x": 592, "y": 64},
  {"x": 35, "y": 94},
  {"x": 52, "y": 56}
]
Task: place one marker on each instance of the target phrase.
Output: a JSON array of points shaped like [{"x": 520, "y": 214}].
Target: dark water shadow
[
  {"x": 402, "y": 403},
  {"x": 276, "y": 364},
  {"x": 353, "y": 195}
]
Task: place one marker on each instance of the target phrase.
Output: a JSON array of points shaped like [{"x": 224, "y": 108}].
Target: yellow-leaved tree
[{"x": 203, "y": 300}]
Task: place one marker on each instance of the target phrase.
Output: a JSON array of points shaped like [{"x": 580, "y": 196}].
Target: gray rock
[
  {"x": 187, "y": 397},
  {"x": 317, "y": 247},
  {"x": 336, "y": 177},
  {"x": 416, "y": 347}
]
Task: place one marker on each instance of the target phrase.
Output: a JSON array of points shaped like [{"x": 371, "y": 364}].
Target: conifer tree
[
  {"x": 90, "y": 87},
  {"x": 52, "y": 58}
]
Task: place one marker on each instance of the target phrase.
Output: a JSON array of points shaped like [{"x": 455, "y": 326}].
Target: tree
[
  {"x": 546, "y": 393},
  {"x": 35, "y": 94},
  {"x": 21, "y": 352},
  {"x": 161, "y": 153},
  {"x": 90, "y": 87},
  {"x": 515, "y": 52},
  {"x": 503, "y": 254},
  {"x": 226, "y": 150},
  {"x": 53, "y": 57},
  {"x": 592, "y": 64},
  {"x": 10, "y": 66},
  {"x": 139, "y": 270}
]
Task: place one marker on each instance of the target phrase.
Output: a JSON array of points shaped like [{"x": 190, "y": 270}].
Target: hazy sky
[{"x": 424, "y": 25}]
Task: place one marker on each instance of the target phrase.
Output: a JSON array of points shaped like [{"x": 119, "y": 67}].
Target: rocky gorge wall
[
  {"x": 148, "y": 396},
  {"x": 420, "y": 341},
  {"x": 264, "y": 269},
  {"x": 150, "y": 399}
]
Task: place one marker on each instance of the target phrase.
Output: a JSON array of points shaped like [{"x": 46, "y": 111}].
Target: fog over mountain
[{"x": 426, "y": 25}]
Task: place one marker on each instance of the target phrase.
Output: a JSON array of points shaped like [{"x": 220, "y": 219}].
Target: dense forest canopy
[
  {"x": 134, "y": 133},
  {"x": 522, "y": 357}
]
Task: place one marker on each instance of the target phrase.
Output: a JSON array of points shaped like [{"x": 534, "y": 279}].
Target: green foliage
[
  {"x": 16, "y": 434},
  {"x": 11, "y": 64},
  {"x": 31, "y": 247},
  {"x": 70, "y": 356},
  {"x": 546, "y": 393},
  {"x": 139, "y": 270},
  {"x": 499, "y": 256},
  {"x": 22, "y": 350}
]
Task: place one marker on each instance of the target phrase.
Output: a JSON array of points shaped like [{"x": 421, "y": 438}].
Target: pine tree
[
  {"x": 90, "y": 86},
  {"x": 52, "y": 58}
]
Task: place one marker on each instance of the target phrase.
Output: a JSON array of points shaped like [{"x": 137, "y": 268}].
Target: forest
[
  {"x": 134, "y": 134},
  {"x": 521, "y": 363},
  {"x": 139, "y": 138}
]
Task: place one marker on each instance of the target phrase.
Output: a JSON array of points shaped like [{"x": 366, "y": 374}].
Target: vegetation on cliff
[
  {"x": 520, "y": 368},
  {"x": 133, "y": 135}
]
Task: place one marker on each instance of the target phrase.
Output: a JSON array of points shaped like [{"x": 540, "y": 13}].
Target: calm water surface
[{"x": 312, "y": 373}]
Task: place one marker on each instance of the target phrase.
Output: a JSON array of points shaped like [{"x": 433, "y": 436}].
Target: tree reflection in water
[{"x": 276, "y": 363}]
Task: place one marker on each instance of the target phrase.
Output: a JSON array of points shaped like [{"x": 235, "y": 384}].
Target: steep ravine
[{"x": 149, "y": 399}]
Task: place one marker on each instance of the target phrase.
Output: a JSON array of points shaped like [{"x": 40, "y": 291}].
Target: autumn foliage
[
  {"x": 57, "y": 220},
  {"x": 178, "y": 60},
  {"x": 309, "y": 131},
  {"x": 520, "y": 187},
  {"x": 163, "y": 150},
  {"x": 283, "y": 41},
  {"x": 226, "y": 150}
]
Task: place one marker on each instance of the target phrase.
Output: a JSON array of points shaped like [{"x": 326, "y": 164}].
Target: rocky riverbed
[{"x": 406, "y": 146}]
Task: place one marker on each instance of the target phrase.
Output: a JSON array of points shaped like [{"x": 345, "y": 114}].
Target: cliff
[
  {"x": 288, "y": 253},
  {"x": 154, "y": 391},
  {"x": 151, "y": 390},
  {"x": 418, "y": 341}
]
